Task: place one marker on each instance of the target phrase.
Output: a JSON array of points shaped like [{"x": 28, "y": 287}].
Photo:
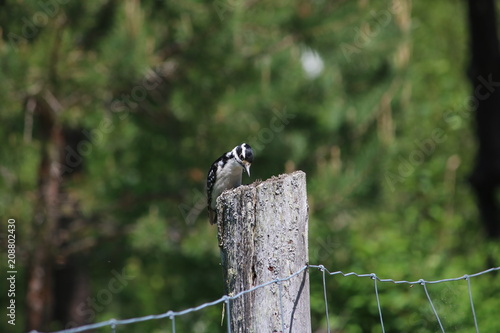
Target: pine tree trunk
[
  {"x": 263, "y": 237},
  {"x": 484, "y": 74},
  {"x": 57, "y": 283},
  {"x": 40, "y": 291}
]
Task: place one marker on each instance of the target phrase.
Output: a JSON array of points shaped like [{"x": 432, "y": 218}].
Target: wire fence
[
  {"x": 113, "y": 323},
  {"x": 421, "y": 282}
]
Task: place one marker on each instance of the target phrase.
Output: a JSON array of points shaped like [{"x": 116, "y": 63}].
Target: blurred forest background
[{"x": 113, "y": 111}]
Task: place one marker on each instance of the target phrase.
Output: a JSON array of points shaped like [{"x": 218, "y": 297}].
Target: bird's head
[{"x": 244, "y": 156}]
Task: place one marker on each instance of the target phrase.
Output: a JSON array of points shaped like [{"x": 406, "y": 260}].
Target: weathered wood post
[{"x": 263, "y": 237}]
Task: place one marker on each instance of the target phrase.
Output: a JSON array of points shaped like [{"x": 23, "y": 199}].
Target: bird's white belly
[{"x": 226, "y": 180}]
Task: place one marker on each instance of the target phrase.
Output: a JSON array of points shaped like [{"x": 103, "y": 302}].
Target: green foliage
[{"x": 164, "y": 88}]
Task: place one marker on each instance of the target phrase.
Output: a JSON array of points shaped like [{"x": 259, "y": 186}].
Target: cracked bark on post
[{"x": 262, "y": 232}]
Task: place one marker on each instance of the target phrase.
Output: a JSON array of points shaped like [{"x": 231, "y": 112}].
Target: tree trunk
[
  {"x": 263, "y": 237},
  {"x": 56, "y": 284},
  {"x": 39, "y": 297},
  {"x": 485, "y": 99}
]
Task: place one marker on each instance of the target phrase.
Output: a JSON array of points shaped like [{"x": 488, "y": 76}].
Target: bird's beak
[{"x": 247, "y": 167}]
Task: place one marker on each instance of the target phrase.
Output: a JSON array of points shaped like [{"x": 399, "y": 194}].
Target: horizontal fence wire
[
  {"x": 114, "y": 323},
  {"x": 374, "y": 276}
]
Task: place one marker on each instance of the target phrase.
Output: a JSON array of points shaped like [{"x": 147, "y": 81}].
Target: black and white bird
[{"x": 225, "y": 173}]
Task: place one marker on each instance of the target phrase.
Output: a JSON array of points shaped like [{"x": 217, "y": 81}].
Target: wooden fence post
[{"x": 263, "y": 236}]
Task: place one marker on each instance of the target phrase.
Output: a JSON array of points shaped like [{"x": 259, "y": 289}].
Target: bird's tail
[{"x": 212, "y": 216}]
